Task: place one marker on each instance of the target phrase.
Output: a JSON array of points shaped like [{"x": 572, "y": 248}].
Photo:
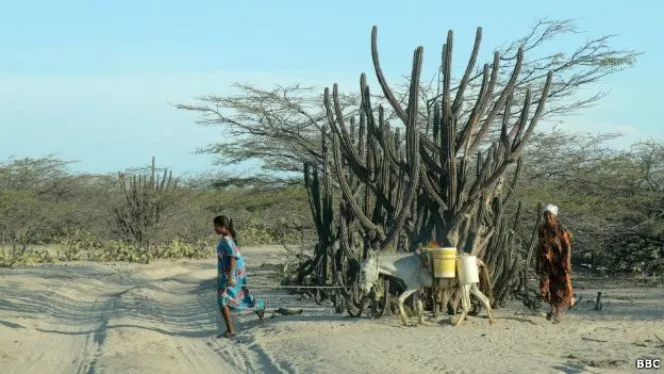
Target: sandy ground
[{"x": 162, "y": 318}]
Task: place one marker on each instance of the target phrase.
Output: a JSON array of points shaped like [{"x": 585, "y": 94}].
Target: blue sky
[{"x": 94, "y": 81}]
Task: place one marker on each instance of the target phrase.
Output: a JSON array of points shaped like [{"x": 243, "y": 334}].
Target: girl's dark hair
[{"x": 227, "y": 223}]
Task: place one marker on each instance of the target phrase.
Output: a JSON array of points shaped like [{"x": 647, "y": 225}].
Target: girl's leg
[
  {"x": 260, "y": 308},
  {"x": 226, "y": 313}
]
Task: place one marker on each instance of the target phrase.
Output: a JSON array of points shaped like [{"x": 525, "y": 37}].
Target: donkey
[
  {"x": 406, "y": 267},
  {"x": 416, "y": 273}
]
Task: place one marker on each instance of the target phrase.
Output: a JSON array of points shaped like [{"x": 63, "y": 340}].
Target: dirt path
[{"x": 96, "y": 318}]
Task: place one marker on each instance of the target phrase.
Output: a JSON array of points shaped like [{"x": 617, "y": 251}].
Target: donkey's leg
[
  {"x": 475, "y": 290},
  {"x": 446, "y": 293},
  {"x": 457, "y": 297},
  {"x": 464, "y": 290},
  {"x": 402, "y": 299},
  {"x": 420, "y": 312},
  {"x": 444, "y": 297}
]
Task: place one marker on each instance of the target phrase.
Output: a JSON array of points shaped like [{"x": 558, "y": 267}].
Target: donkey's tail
[{"x": 485, "y": 282}]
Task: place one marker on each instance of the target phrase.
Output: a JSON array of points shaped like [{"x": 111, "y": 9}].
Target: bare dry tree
[{"x": 281, "y": 126}]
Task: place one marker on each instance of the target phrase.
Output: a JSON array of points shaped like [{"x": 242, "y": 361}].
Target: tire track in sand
[
  {"x": 94, "y": 342},
  {"x": 84, "y": 332}
]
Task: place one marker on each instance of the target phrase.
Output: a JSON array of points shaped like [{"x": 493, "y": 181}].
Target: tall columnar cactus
[
  {"x": 335, "y": 256},
  {"x": 143, "y": 201},
  {"x": 427, "y": 186},
  {"x": 321, "y": 203}
]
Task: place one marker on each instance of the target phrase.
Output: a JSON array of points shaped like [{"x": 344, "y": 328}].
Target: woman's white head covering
[{"x": 551, "y": 208}]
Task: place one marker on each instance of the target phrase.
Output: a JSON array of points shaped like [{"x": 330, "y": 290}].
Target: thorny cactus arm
[
  {"x": 321, "y": 204},
  {"x": 387, "y": 91},
  {"x": 483, "y": 184},
  {"x": 412, "y": 135},
  {"x": 458, "y": 100},
  {"x": 499, "y": 104},
  {"x": 348, "y": 194},
  {"x": 486, "y": 90},
  {"x": 313, "y": 194},
  {"x": 376, "y": 130},
  {"x": 340, "y": 130},
  {"x": 448, "y": 120}
]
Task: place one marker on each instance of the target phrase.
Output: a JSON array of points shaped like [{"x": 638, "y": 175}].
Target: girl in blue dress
[{"x": 232, "y": 291}]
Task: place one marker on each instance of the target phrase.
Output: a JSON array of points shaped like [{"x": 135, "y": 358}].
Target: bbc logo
[{"x": 647, "y": 363}]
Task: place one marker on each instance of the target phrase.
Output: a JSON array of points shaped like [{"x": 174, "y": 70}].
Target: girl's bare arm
[{"x": 567, "y": 243}]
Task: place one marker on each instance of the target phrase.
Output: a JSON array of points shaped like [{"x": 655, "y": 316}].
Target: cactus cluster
[{"x": 443, "y": 180}]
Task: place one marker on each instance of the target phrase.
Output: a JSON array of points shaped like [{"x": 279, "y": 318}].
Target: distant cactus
[{"x": 140, "y": 208}]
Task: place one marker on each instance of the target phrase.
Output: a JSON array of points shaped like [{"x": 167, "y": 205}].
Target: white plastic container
[{"x": 467, "y": 267}]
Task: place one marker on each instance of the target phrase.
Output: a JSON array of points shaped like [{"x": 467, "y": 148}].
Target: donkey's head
[{"x": 368, "y": 274}]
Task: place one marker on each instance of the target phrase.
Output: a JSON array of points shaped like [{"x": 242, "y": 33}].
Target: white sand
[{"x": 162, "y": 318}]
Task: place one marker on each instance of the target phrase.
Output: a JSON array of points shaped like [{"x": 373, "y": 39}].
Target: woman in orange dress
[{"x": 554, "y": 264}]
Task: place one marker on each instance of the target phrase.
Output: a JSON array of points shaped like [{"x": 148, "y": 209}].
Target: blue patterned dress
[{"x": 237, "y": 297}]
